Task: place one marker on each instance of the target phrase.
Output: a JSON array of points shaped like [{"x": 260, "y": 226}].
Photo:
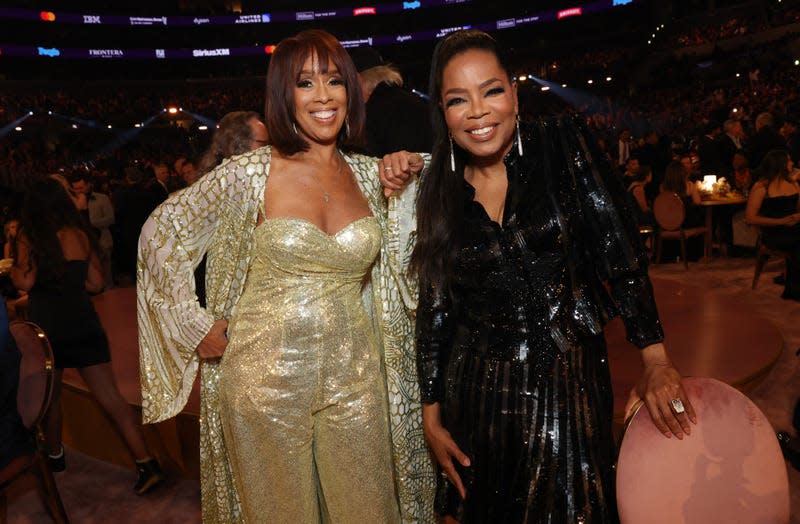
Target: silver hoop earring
[
  {"x": 347, "y": 127},
  {"x": 452, "y": 156},
  {"x": 295, "y": 129},
  {"x": 519, "y": 138}
]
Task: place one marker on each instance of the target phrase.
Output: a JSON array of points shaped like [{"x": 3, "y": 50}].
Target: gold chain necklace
[{"x": 325, "y": 195}]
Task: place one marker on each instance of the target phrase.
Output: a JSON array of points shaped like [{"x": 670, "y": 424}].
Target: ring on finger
[
  {"x": 387, "y": 168},
  {"x": 677, "y": 406}
]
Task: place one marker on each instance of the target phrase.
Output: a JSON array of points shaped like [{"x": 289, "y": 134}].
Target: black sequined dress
[{"x": 515, "y": 352}]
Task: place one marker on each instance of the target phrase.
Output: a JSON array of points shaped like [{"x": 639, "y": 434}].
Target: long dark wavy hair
[
  {"x": 774, "y": 166},
  {"x": 441, "y": 191},
  {"x": 47, "y": 209}
]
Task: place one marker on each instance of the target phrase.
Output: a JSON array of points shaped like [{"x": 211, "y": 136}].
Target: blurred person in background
[
  {"x": 58, "y": 264},
  {"x": 101, "y": 217}
]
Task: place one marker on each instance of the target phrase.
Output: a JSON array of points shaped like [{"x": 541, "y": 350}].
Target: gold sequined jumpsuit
[{"x": 303, "y": 396}]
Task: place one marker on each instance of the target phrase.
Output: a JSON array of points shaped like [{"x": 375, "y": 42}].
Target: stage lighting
[
  {"x": 172, "y": 110},
  {"x": 563, "y": 85},
  {"x": 608, "y": 79},
  {"x": 590, "y": 81},
  {"x": 202, "y": 128},
  {"x": 522, "y": 78},
  {"x": 738, "y": 75},
  {"x": 30, "y": 113},
  {"x": 109, "y": 126},
  {"x": 649, "y": 42},
  {"x": 74, "y": 126},
  {"x": 545, "y": 88},
  {"x": 18, "y": 128},
  {"x": 137, "y": 125},
  {"x": 49, "y": 112},
  {"x": 797, "y": 62}
]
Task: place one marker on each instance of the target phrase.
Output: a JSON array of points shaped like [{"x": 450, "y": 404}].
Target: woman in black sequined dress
[{"x": 519, "y": 228}]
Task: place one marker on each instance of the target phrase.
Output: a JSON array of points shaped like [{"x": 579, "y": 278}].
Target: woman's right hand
[
  {"x": 397, "y": 168},
  {"x": 791, "y": 220},
  {"x": 214, "y": 343},
  {"x": 443, "y": 446}
]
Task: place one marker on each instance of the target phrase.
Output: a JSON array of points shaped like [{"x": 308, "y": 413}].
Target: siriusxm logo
[
  {"x": 266, "y": 18},
  {"x": 48, "y": 51},
  {"x": 412, "y": 5}
]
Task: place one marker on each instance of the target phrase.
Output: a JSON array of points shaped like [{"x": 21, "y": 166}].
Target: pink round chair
[{"x": 730, "y": 469}]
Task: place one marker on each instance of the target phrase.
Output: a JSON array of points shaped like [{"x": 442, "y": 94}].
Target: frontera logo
[
  {"x": 364, "y": 11},
  {"x": 573, "y": 11},
  {"x": 48, "y": 51},
  {"x": 412, "y": 5}
]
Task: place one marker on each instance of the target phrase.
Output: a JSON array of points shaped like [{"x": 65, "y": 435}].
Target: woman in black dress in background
[
  {"x": 57, "y": 263},
  {"x": 774, "y": 205},
  {"x": 518, "y": 229}
]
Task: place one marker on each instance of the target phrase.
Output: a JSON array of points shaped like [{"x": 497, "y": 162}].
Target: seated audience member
[
  {"x": 742, "y": 178},
  {"x": 676, "y": 180},
  {"x": 631, "y": 170},
  {"x": 638, "y": 195},
  {"x": 773, "y": 206},
  {"x": 10, "y": 234}
]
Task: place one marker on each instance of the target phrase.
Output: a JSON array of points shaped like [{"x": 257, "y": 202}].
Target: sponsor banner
[{"x": 223, "y": 51}]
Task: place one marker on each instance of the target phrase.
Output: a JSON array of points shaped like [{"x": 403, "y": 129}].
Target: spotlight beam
[{"x": 6, "y": 129}]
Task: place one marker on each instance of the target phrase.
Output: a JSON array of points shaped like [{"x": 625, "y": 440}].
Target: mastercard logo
[
  {"x": 269, "y": 49},
  {"x": 47, "y": 16}
]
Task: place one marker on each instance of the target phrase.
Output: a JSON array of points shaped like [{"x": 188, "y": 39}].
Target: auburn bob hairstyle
[{"x": 282, "y": 77}]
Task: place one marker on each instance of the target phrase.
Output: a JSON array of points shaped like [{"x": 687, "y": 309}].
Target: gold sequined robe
[{"x": 217, "y": 215}]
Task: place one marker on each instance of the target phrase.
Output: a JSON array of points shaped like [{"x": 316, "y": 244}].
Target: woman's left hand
[
  {"x": 662, "y": 392},
  {"x": 396, "y": 169}
]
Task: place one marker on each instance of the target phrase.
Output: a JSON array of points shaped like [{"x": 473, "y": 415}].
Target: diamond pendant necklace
[{"x": 325, "y": 195}]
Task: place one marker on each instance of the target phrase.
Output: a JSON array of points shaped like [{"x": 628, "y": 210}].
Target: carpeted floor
[{"x": 95, "y": 492}]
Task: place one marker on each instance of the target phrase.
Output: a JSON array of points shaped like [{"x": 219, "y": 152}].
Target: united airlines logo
[{"x": 249, "y": 19}]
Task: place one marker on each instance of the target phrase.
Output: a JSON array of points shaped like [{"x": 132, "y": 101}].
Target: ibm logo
[
  {"x": 160, "y": 53},
  {"x": 91, "y": 19}
]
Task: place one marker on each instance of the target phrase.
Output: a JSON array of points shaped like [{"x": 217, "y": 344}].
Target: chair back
[
  {"x": 730, "y": 469},
  {"x": 669, "y": 211},
  {"x": 35, "y": 371}
]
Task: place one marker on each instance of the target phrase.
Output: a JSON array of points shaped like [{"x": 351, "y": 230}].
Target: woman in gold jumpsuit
[{"x": 310, "y": 411}]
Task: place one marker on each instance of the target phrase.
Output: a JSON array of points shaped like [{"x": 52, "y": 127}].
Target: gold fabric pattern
[
  {"x": 218, "y": 214},
  {"x": 301, "y": 377}
]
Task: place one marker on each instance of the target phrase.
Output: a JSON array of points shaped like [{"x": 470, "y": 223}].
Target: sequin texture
[{"x": 514, "y": 351}]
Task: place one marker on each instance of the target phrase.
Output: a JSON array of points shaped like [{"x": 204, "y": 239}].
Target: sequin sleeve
[
  {"x": 613, "y": 238},
  {"x": 171, "y": 321},
  {"x": 434, "y": 333}
]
